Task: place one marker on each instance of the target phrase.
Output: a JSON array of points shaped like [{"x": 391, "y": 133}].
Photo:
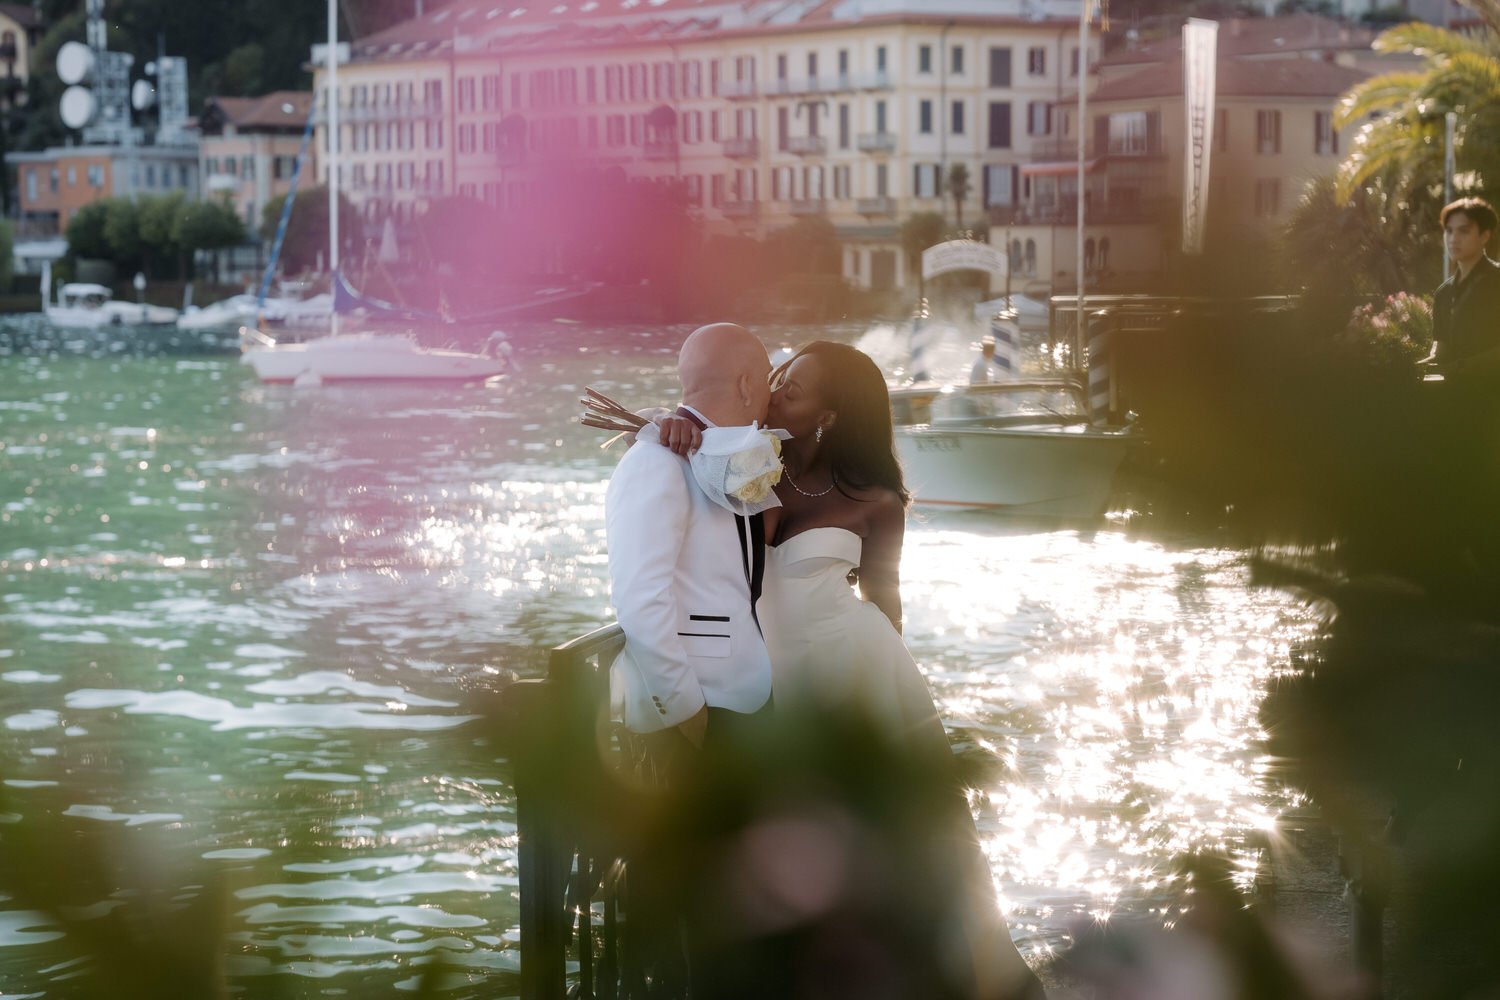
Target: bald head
[{"x": 724, "y": 372}]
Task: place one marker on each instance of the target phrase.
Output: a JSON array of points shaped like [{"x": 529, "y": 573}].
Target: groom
[{"x": 685, "y": 571}]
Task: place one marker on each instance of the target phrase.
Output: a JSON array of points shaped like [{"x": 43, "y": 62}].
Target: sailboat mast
[
  {"x": 333, "y": 155},
  {"x": 1081, "y": 337}
]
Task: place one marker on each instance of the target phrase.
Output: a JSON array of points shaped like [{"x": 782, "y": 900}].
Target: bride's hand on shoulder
[{"x": 675, "y": 432}]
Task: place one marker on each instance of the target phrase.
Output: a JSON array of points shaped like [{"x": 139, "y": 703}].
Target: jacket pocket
[{"x": 705, "y": 644}]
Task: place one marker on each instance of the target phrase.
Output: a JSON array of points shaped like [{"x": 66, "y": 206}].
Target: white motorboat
[
  {"x": 367, "y": 357},
  {"x": 1024, "y": 447},
  {"x": 83, "y": 306},
  {"x": 236, "y": 311}
]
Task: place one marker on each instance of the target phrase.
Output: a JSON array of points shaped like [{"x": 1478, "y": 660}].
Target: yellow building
[
  {"x": 21, "y": 27},
  {"x": 765, "y": 112},
  {"x": 248, "y": 147},
  {"x": 1278, "y": 81}
]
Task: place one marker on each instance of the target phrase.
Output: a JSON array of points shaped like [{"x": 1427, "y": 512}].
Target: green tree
[
  {"x": 1401, "y": 149},
  {"x": 1350, "y": 248},
  {"x": 158, "y": 217},
  {"x": 207, "y": 225},
  {"x": 85, "y": 232},
  {"x": 122, "y": 232},
  {"x": 245, "y": 70},
  {"x": 306, "y": 239},
  {"x": 918, "y": 232},
  {"x": 808, "y": 246},
  {"x": 7, "y": 257},
  {"x": 959, "y": 187}
]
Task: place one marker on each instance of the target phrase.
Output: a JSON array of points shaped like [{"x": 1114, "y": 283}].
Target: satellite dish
[
  {"x": 78, "y": 107},
  {"x": 142, "y": 95},
  {"x": 75, "y": 61}
]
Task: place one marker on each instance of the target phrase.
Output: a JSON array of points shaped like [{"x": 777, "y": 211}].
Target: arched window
[{"x": 1031, "y": 258}]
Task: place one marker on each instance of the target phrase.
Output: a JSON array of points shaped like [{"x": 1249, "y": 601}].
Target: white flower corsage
[{"x": 738, "y": 466}]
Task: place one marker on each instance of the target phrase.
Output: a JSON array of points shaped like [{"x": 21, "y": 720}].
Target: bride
[{"x": 842, "y": 520}]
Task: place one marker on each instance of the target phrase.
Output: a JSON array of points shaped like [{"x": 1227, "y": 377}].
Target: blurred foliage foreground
[
  {"x": 809, "y": 865},
  {"x": 1310, "y": 436}
]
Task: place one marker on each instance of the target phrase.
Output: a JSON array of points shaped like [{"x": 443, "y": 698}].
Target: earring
[{"x": 818, "y": 434}]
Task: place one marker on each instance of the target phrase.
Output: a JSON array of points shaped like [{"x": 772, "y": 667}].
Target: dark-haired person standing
[{"x": 1466, "y": 307}]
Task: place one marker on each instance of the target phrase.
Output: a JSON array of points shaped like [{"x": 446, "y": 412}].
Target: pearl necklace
[{"x": 799, "y": 489}]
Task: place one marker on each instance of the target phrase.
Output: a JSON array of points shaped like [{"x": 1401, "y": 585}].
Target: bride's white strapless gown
[{"x": 830, "y": 650}]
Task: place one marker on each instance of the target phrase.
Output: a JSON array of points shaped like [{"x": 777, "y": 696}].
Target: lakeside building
[
  {"x": 765, "y": 112},
  {"x": 1278, "y": 82},
  {"x": 248, "y": 148},
  {"x": 52, "y": 185},
  {"x": 21, "y": 28}
]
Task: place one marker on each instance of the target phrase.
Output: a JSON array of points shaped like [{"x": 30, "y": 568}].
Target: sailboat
[{"x": 362, "y": 356}]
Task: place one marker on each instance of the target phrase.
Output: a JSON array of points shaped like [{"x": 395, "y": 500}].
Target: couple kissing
[{"x": 734, "y": 599}]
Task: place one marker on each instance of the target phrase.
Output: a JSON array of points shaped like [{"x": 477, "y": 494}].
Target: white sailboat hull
[{"x": 362, "y": 357}]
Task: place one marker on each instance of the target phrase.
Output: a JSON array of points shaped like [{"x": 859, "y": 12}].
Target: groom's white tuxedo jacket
[{"x": 678, "y": 584}]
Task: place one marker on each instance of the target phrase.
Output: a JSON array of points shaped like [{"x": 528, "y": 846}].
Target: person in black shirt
[{"x": 1466, "y": 307}]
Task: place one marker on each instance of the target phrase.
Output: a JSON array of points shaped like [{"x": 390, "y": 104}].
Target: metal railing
[
  {"x": 660, "y": 150},
  {"x": 737, "y": 90},
  {"x": 741, "y": 148},
  {"x": 567, "y": 756},
  {"x": 808, "y": 206},
  {"x": 807, "y": 145},
  {"x": 740, "y": 209},
  {"x": 875, "y": 206},
  {"x": 876, "y": 142}
]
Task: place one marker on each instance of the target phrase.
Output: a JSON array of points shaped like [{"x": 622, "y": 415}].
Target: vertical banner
[{"x": 1200, "y": 41}]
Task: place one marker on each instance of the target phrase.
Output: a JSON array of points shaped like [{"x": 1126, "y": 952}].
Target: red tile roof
[
  {"x": 1238, "y": 78},
  {"x": 1243, "y": 36},
  {"x": 249, "y": 114},
  {"x": 497, "y": 25}
]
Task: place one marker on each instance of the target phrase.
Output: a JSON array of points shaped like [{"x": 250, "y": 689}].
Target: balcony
[
  {"x": 1127, "y": 210},
  {"x": 740, "y": 209},
  {"x": 877, "y": 142},
  {"x": 662, "y": 149},
  {"x": 882, "y": 206},
  {"x": 808, "y": 206},
  {"x": 742, "y": 149},
  {"x": 737, "y": 90},
  {"x": 878, "y": 80},
  {"x": 1067, "y": 149},
  {"x": 349, "y": 114},
  {"x": 807, "y": 145}
]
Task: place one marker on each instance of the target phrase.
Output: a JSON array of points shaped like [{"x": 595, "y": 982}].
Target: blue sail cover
[{"x": 346, "y": 300}]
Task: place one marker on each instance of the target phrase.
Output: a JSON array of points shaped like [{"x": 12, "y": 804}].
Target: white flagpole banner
[{"x": 1200, "y": 40}]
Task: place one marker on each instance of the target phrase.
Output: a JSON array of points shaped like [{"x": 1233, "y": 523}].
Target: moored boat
[
  {"x": 84, "y": 306},
  {"x": 367, "y": 357},
  {"x": 1024, "y": 447}
]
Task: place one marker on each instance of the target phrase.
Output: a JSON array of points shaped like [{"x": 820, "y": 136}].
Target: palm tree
[
  {"x": 958, "y": 186},
  {"x": 1401, "y": 147}
]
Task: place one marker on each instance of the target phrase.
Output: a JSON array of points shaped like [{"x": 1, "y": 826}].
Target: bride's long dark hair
[{"x": 861, "y": 446}]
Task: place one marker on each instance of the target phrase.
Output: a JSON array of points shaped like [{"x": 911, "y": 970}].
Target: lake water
[{"x": 241, "y": 623}]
